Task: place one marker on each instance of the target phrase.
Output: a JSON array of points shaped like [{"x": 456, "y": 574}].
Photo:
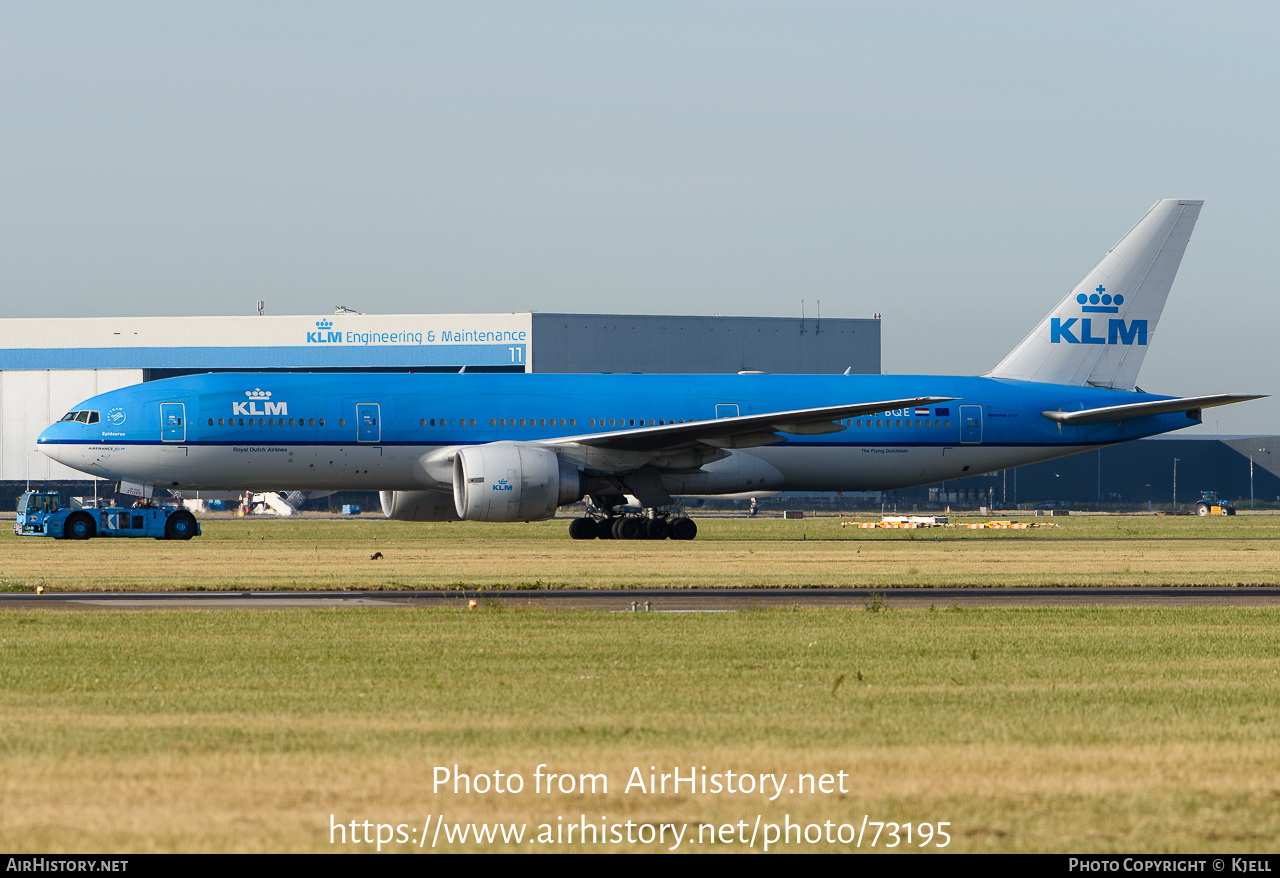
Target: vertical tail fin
[{"x": 1100, "y": 332}]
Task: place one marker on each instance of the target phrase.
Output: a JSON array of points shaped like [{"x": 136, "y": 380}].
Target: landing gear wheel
[
  {"x": 627, "y": 529},
  {"x": 80, "y": 527},
  {"x": 604, "y": 528},
  {"x": 582, "y": 529},
  {"x": 656, "y": 529},
  {"x": 683, "y": 529},
  {"x": 1202, "y": 509},
  {"x": 180, "y": 526}
]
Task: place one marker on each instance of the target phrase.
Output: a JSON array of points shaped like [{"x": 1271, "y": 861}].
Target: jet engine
[
  {"x": 508, "y": 481},
  {"x": 417, "y": 506}
]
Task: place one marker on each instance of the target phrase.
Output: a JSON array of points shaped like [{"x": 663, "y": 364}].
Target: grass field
[
  {"x": 1044, "y": 730},
  {"x": 259, "y": 555}
]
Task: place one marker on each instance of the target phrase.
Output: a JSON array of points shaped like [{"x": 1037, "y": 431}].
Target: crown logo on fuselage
[
  {"x": 252, "y": 408},
  {"x": 324, "y": 324}
]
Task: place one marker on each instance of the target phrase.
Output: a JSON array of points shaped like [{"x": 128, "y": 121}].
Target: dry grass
[
  {"x": 1042, "y": 730},
  {"x": 326, "y": 554}
]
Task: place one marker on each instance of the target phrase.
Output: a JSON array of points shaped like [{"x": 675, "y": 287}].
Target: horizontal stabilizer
[
  {"x": 713, "y": 432},
  {"x": 1144, "y": 409}
]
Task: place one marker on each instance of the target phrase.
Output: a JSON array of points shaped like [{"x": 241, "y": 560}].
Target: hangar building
[
  {"x": 47, "y": 365},
  {"x": 1243, "y": 469}
]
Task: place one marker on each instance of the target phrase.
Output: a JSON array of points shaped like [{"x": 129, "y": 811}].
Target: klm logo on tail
[{"x": 1117, "y": 332}]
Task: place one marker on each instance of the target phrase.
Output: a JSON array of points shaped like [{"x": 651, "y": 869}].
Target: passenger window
[
  {"x": 591, "y": 422},
  {"x": 572, "y": 422},
  {"x": 342, "y": 422},
  {"x": 311, "y": 422},
  {"x": 211, "y": 422},
  {"x": 271, "y": 422},
  {"x": 322, "y": 422},
  {"x": 473, "y": 422},
  {"x": 242, "y": 422},
  {"x": 946, "y": 423},
  {"x": 422, "y": 422},
  {"x": 492, "y": 422}
]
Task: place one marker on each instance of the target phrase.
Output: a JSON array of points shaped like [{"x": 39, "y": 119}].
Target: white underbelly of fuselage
[
  {"x": 391, "y": 468},
  {"x": 254, "y": 467}
]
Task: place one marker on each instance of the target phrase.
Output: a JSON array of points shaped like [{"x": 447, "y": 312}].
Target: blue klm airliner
[{"x": 516, "y": 447}]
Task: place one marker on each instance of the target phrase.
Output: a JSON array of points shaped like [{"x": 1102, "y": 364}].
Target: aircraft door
[
  {"x": 970, "y": 424},
  {"x": 367, "y": 427},
  {"x": 726, "y": 410},
  {"x": 173, "y": 422}
]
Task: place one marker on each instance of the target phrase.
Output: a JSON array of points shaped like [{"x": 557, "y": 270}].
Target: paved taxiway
[{"x": 662, "y": 600}]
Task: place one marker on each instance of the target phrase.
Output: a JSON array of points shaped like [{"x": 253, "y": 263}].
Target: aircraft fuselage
[{"x": 360, "y": 431}]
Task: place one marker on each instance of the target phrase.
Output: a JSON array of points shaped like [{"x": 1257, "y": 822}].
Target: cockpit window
[{"x": 85, "y": 417}]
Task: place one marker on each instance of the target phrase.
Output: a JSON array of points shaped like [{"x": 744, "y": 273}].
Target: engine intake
[
  {"x": 507, "y": 481},
  {"x": 417, "y": 506}
]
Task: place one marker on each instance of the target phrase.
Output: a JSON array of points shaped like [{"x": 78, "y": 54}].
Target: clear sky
[{"x": 956, "y": 167}]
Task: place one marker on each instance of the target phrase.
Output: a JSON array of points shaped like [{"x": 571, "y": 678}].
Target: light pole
[
  {"x": 1175, "y": 484},
  {"x": 1260, "y": 451}
]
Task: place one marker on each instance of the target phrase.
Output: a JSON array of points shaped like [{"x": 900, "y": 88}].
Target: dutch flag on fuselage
[{"x": 922, "y": 413}]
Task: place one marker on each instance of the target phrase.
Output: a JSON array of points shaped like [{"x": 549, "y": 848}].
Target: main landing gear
[{"x": 633, "y": 527}]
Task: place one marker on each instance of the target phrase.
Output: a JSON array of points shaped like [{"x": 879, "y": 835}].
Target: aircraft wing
[
  {"x": 1143, "y": 409},
  {"x": 744, "y": 431}
]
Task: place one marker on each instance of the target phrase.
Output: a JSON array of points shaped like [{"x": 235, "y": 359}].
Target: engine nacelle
[
  {"x": 507, "y": 481},
  {"x": 418, "y": 506}
]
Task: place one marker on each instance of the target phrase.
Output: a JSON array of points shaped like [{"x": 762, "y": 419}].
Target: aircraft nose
[{"x": 49, "y": 442}]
